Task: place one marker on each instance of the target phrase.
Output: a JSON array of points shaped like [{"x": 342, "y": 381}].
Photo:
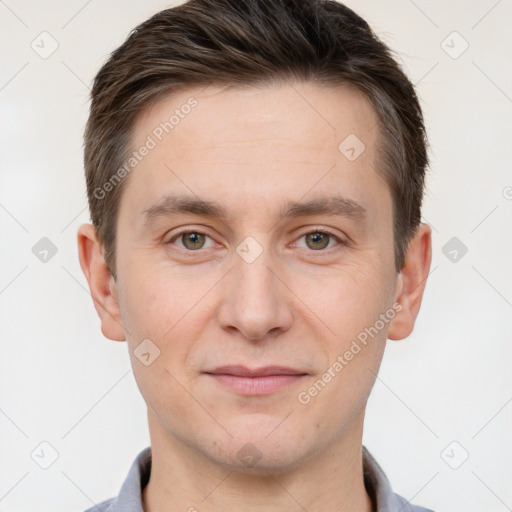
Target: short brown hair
[{"x": 249, "y": 42}]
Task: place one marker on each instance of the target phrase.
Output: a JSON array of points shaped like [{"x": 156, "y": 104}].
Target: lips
[
  {"x": 256, "y": 381},
  {"x": 242, "y": 371}
]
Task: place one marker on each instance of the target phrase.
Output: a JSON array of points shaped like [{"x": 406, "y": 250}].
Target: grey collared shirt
[{"x": 376, "y": 482}]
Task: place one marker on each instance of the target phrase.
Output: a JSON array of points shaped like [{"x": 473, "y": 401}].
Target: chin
[
  {"x": 260, "y": 445},
  {"x": 260, "y": 460}
]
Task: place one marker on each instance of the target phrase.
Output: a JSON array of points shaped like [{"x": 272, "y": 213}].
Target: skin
[{"x": 297, "y": 305}]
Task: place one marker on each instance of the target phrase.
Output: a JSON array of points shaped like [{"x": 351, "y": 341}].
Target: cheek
[
  {"x": 156, "y": 297},
  {"x": 349, "y": 298},
  {"x": 162, "y": 310},
  {"x": 338, "y": 397},
  {"x": 352, "y": 309},
  {"x": 168, "y": 305},
  {"x": 356, "y": 305}
]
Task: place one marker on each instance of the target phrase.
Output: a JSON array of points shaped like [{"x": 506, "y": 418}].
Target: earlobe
[
  {"x": 101, "y": 283},
  {"x": 412, "y": 282}
]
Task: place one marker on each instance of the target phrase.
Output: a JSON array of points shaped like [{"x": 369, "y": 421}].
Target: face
[{"x": 250, "y": 300}]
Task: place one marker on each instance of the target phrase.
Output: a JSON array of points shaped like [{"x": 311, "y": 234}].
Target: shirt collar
[{"x": 376, "y": 482}]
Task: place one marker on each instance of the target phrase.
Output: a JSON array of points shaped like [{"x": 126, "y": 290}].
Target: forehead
[
  {"x": 261, "y": 142},
  {"x": 310, "y": 112}
]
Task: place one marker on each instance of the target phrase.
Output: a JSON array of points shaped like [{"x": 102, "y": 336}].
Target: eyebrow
[{"x": 335, "y": 205}]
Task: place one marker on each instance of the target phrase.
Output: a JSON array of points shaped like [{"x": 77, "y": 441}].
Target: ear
[
  {"x": 101, "y": 283},
  {"x": 411, "y": 283}
]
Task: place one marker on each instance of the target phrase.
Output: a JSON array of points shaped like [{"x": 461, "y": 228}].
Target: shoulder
[
  {"x": 104, "y": 506},
  {"x": 406, "y": 506},
  {"x": 129, "y": 498},
  {"x": 379, "y": 488}
]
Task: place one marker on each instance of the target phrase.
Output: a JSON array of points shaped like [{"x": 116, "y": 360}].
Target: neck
[{"x": 182, "y": 479}]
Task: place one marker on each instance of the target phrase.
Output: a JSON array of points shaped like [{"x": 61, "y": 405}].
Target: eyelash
[{"x": 320, "y": 252}]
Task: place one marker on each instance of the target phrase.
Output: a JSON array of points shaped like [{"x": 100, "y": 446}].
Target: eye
[
  {"x": 191, "y": 240},
  {"x": 319, "y": 240}
]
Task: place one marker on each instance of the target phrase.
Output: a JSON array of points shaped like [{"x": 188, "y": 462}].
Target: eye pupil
[{"x": 317, "y": 237}]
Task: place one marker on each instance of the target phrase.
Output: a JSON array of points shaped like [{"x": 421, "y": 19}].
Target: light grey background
[{"x": 63, "y": 383}]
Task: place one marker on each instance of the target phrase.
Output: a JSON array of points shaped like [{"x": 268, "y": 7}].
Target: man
[{"x": 255, "y": 174}]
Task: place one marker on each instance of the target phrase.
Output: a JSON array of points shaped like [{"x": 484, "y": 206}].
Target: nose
[{"x": 255, "y": 302}]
